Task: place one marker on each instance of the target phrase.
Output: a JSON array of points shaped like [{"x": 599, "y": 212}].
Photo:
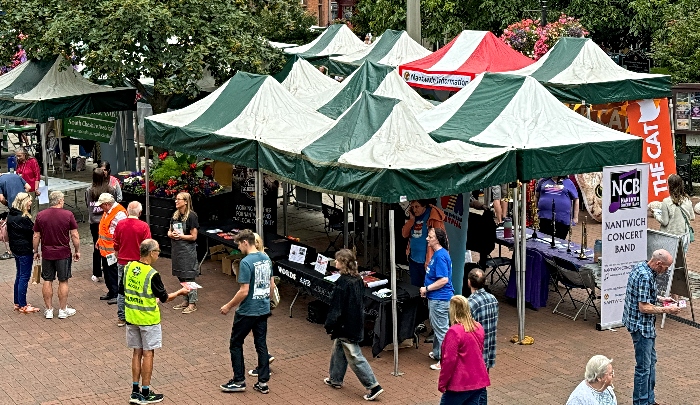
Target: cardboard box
[
  {"x": 227, "y": 261},
  {"x": 217, "y": 249},
  {"x": 218, "y": 256}
]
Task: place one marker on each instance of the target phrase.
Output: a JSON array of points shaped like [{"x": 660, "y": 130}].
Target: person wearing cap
[{"x": 112, "y": 213}]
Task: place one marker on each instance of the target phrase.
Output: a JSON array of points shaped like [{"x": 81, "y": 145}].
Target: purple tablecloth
[{"x": 537, "y": 274}]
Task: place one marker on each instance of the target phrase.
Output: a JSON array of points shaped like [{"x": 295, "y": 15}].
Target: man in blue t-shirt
[
  {"x": 253, "y": 302},
  {"x": 11, "y": 184}
]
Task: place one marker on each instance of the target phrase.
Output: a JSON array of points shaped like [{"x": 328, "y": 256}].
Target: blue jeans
[
  {"x": 242, "y": 326},
  {"x": 120, "y": 298},
  {"x": 644, "y": 370},
  {"x": 440, "y": 321},
  {"x": 24, "y": 272},
  {"x": 462, "y": 397},
  {"x": 345, "y": 353}
]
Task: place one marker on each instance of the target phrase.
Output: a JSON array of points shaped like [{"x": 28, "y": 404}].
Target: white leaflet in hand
[{"x": 111, "y": 259}]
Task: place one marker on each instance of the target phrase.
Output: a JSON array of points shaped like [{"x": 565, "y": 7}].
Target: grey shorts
[
  {"x": 499, "y": 192},
  {"x": 144, "y": 337},
  {"x": 51, "y": 268}
]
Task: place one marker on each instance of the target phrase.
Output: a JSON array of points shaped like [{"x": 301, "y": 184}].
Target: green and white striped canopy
[
  {"x": 577, "y": 70},
  {"x": 41, "y": 89},
  {"x": 337, "y": 39},
  {"x": 378, "y": 79},
  {"x": 393, "y": 48},
  {"x": 518, "y": 112},
  {"x": 377, "y": 151},
  {"x": 231, "y": 122},
  {"x": 302, "y": 79}
]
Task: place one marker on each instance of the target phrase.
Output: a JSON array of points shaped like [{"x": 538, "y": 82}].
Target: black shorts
[{"x": 51, "y": 268}]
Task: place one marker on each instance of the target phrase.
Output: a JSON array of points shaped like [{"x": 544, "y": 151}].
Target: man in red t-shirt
[
  {"x": 128, "y": 235},
  {"x": 55, "y": 228}
]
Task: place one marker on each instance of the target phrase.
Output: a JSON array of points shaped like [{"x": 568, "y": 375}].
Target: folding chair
[
  {"x": 576, "y": 279},
  {"x": 553, "y": 275},
  {"x": 333, "y": 221}
]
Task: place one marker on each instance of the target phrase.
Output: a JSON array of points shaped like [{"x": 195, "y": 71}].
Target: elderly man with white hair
[
  {"x": 128, "y": 235},
  {"x": 597, "y": 385},
  {"x": 112, "y": 213}
]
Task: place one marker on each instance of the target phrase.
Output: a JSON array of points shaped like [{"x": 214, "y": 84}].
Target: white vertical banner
[{"x": 624, "y": 235}]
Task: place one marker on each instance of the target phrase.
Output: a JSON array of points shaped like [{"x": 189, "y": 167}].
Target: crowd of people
[{"x": 465, "y": 327}]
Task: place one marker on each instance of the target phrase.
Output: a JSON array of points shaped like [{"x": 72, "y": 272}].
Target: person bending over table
[
  {"x": 438, "y": 289},
  {"x": 563, "y": 191}
]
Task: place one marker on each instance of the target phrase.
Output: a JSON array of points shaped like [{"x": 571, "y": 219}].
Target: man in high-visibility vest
[
  {"x": 142, "y": 288},
  {"x": 112, "y": 213}
]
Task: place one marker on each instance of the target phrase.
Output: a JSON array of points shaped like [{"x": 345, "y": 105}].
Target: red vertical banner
[{"x": 649, "y": 119}]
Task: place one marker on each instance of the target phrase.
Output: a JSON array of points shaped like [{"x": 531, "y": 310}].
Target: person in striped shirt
[{"x": 484, "y": 309}]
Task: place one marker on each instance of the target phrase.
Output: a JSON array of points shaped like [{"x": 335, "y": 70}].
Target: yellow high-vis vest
[{"x": 140, "y": 305}]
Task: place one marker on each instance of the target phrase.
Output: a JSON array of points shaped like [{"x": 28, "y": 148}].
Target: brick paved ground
[{"x": 83, "y": 359}]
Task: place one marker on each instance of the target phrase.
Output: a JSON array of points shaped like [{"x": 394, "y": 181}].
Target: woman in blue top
[{"x": 438, "y": 289}]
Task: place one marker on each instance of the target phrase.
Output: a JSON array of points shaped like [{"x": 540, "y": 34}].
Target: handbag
[
  {"x": 691, "y": 231},
  {"x": 36, "y": 273}
]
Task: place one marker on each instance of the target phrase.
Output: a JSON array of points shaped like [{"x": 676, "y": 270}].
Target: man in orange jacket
[
  {"x": 422, "y": 217},
  {"x": 112, "y": 213}
]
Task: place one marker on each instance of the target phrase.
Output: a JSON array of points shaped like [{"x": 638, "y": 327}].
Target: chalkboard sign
[
  {"x": 244, "y": 199},
  {"x": 636, "y": 62},
  {"x": 661, "y": 240}
]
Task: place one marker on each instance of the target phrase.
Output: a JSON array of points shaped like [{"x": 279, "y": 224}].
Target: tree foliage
[
  {"x": 171, "y": 41},
  {"x": 616, "y": 24},
  {"x": 675, "y": 45}
]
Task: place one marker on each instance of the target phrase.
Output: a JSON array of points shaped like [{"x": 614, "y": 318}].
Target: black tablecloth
[
  {"x": 276, "y": 246},
  {"x": 379, "y": 309}
]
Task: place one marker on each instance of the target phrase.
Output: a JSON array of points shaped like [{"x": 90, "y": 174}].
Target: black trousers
[
  {"x": 111, "y": 278},
  {"x": 96, "y": 256},
  {"x": 242, "y": 326},
  {"x": 561, "y": 230}
]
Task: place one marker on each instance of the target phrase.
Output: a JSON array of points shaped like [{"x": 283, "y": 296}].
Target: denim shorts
[{"x": 144, "y": 337}]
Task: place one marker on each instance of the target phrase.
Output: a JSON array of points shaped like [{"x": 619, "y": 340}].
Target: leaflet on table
[
  {"x": 190, "y": 285},
  {"x": 297, "y": 254},
  {"x": 333, "y": 277},
  {"x": 214, "y": 230},
  {"x": 321, "y": 264}
]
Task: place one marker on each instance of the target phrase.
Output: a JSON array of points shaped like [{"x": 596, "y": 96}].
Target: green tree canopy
[
  {"x": 676, "y": 45},
  {"x": 171, "y": 41}
]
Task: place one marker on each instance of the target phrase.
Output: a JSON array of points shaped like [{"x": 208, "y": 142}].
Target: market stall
[
  {"x": 549, "y": 139},
  {"x": 49, "y": 89},
  {"x": 577, "y": 70},
  {"x": 453, "y": 66},
  {"x": 377, "y": 79},
  {"x": 337, "y": 39},
  {"x": 393, "y": 48},
  {"x": 303, "y": 80}
]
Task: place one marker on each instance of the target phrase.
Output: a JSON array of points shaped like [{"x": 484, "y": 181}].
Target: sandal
[
  {"x": 189, "y": 310},
  {"x": 16, "y": 307},
  {"x": 6, "y": 255},
  {"x": 28, "y": 309},
  {"x": 181, "y": 305}
]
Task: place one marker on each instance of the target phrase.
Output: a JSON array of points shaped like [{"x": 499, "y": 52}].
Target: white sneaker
[
  {"x": 94, "y": 279},
  {"x": 65, "y": 313},
  {"x": 435, "y": 366},
  {"x": 432, "y": 356},
  {"x": 48, "y": 313}
]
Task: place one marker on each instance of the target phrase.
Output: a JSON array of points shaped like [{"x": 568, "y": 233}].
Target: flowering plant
[
  {"x": 172, "y": 174},
  {"x": 532, "y": 40}
]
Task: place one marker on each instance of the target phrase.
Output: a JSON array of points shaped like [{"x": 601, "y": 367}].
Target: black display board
[{"x": 244, "y": 199}]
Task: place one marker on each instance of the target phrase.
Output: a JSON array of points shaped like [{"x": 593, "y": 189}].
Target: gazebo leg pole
[
  {"x": 523, "y": 258},
  {"x": 285, "y": 203},
  {"x": 148, "y": 170},
  {"x": 259, "y": 220},
  {"x": 394, "y": 316}
]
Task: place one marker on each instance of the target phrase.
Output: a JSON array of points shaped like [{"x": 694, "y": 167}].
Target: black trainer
[
  {"x": 137, "y": 398},
  {"x": 152, "y": 398},
  {"x": 374, "y": 393},
  {"x": 232, "y": 386},
  {"x": 254, "y": 372},
  {"x": 332, "y": 384},
  {"x": 261, "y": 388}
]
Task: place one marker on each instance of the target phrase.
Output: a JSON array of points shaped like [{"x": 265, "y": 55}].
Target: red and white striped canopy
[{"x": 457, "y": 63}]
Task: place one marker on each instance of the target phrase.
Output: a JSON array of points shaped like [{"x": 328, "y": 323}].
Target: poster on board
[{"x": 625, "y": 197}]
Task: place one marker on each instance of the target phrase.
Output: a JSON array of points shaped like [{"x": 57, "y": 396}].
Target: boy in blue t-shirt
[{"x": 253, "y": 302}]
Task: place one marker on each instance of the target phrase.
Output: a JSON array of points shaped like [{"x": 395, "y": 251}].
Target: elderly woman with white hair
[{"x": 597, "y": 386}]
